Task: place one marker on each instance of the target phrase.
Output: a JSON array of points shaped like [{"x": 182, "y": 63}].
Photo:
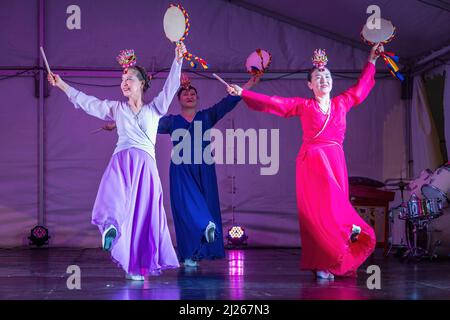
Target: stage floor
[{"x": 249, "y": 274}]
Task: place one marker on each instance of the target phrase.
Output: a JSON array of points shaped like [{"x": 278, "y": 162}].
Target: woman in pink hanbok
[{"x": 335, "y": 239}]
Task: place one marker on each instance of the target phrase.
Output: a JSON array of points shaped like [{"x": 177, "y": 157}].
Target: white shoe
[
  {"x": 356, "y": 230},
  {"x": 134, "y": 277},
  {"x": 190, "y": 263},
  {"x": 209, "y": 232},
  {"x": 323, "y": 274},
  {"x": 108, "y": 237}
]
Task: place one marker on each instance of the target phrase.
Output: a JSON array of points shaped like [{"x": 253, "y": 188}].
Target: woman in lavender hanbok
[{"x": 129, "y": 208}]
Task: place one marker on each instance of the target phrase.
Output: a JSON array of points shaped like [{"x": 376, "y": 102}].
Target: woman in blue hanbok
[{"x": 194, "y": 195}]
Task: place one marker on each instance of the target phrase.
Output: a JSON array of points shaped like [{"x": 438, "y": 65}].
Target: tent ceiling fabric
[
  {"x": 422, "y": 26},
  {"x": 221, "y": 32}
]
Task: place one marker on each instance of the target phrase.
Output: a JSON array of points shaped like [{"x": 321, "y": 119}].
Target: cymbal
[
  {"x": 398, "y": 180},
  {"x": 399, "y": 185},
  {"x": 398, "y": 188}
]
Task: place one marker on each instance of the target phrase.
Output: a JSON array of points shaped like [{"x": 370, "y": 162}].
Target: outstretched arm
[
  {"x": 284, "y": 107},
  {"x": 220, "y": 109},
  {"x": 227, "y": 104},
  {"x": 102, "y": 109},
  {"x": 164, "y": 98}
]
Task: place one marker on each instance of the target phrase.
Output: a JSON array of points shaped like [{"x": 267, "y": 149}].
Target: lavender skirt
[{"x": 130, "y": 198}]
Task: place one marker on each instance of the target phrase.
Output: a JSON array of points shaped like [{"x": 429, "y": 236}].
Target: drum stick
[
  {"x": 97, "y": 130},
  {"x": 45, "y": 60},
  {"x": 221, "y": 80}
]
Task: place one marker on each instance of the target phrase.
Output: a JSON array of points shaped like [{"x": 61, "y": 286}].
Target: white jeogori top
[{"x": 134, "y": 130}]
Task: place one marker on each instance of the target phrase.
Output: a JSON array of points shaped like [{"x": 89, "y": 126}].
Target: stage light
[
  {"x": 39, "y": 236},
  {"x": 236, "y": 236}
]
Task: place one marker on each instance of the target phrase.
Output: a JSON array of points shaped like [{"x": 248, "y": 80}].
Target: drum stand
[
  {"x": 414, "y": 251},
  {"x": 390, "y": 224},
  {"x": 402, "y": 185}
]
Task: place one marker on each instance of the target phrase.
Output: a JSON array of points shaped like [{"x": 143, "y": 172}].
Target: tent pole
[
  {"x": 409, "y": 94},
  {"x": 41, "y": 199}
]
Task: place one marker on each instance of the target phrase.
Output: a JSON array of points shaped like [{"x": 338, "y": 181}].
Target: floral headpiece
[
  {"x": 126, "y": 59},
  {"x": 319, "y": 59},
  {"x": 185, "y": 81}
]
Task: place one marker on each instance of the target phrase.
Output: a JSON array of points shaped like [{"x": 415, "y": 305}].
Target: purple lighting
[
  {"x": 236, "y": 273},
  {"x": 236, "y": 262}
]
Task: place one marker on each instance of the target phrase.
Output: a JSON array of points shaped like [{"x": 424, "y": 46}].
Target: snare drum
[
  {"x": 430, "y": 208},
  {"x": 414, "y": 207},
  {"x": 419, "y": 209},
  {"x": 401, "y": 211},
  {"x": 439, "y": 185}
]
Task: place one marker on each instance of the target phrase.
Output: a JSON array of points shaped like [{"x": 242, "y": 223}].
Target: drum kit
[{"x": 426, "y": 213}]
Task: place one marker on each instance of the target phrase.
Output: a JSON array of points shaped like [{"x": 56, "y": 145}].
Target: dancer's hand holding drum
[
  {"x": 377, "y": 38},
  {"x": 180, "y": 51},
  {"x": 375, "y": 52},
  {"x": 235, "y": 90},
  {"x": 253, "y": 81},
  {"x": 176, "y": 24}
]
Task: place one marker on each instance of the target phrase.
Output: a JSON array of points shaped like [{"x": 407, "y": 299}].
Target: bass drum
[
  {"x": 440, "y": 235},
  {"x": 433, "y": 237}
]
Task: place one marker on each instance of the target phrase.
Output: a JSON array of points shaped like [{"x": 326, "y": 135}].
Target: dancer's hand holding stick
[
  {"x": 110, "y": 126},
  {"x": 56, "y": 81},
  {"x": 234, "y": 90}
]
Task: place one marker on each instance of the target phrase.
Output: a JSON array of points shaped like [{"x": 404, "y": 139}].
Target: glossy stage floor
[{"x": 248, "y": 274}]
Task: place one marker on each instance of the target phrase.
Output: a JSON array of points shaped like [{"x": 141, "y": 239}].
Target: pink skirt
[{"x": 326, "y": 215}]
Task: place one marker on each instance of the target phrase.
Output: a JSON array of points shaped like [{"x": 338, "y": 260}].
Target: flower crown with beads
[
  {"x": 319, "y": 59},
  {"x": 185, "y": 81},
  {"x": 126, "y": 59}
]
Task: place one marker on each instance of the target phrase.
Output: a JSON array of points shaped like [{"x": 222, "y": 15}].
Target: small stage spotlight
[
  {"x": 39, "y": 236},
  {"x": 236, "y": 236}
]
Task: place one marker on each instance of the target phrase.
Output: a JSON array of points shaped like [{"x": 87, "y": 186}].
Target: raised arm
[
  {"x": 164, "y": 98},
  {"x": 359, "y": 92},
  {"x": 102, "y": 109}
]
